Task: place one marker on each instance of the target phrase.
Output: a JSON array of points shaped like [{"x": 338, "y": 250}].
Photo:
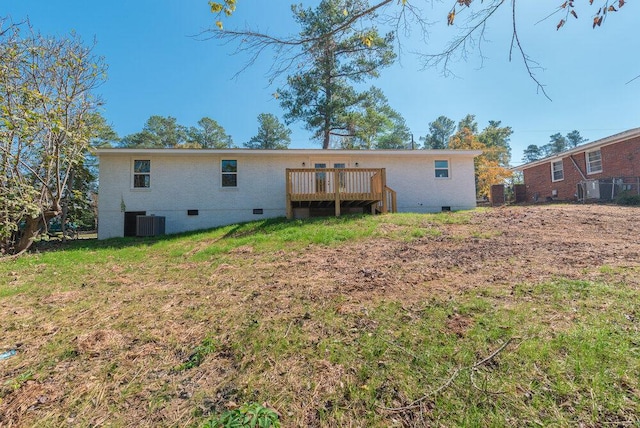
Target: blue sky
[{"x": 156, "y": 67}]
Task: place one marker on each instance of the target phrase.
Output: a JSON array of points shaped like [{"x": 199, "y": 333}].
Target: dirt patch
[
  {"x": 459, "y": 324},
  {"x": 100, "y": 342}
]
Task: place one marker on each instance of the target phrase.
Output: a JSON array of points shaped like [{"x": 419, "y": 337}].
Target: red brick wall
[
  {"x": 497, "y": 194},
  {"x": 618, "y": 160}
]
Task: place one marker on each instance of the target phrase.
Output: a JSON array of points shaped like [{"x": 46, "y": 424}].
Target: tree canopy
[
  {"x": 492, "y": 166},
  {"x": 558, "y": 143},
  {"x": 160, "y": 132},
  {"x": 272, "y": 134},
  {"x": 209, "y": 134},
  {"x": 322, "y": 94},
  {"x": 531, "y": 153},
  {"x": 49, "y": 117},
  {"x": 440, "y": 130},
  {"x": 374, "y": 124}
]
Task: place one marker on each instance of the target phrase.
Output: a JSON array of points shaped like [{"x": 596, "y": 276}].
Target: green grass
[
  {"x": 201, "y": 322},
  {"x": 208, "y": 346}
]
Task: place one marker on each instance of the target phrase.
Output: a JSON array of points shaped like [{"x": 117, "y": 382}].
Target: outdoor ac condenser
[{"x": 149, "y": 225}]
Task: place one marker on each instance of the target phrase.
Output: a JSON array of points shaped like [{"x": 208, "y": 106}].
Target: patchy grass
[{"x": 396, "y": 320}]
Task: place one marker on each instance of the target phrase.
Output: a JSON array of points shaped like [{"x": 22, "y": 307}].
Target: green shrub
[
  {"x": 628, "y": 199},
  {"x": 207, "y": 347},
  {"x": 251, "y": 415}
]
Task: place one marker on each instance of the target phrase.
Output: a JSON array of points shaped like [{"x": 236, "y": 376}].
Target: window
[
  {"x": 442, "y": 168},
  {"x": 341, "y": 176},
  {"x": 326, "y": 182},
  {"x": 557, "y": 171},
  {"x": 229, "y": 173},
  {"x": 141, "y": 173},
  {"x": 594, "y": 162},
  {"x": 321, "y": 178}
]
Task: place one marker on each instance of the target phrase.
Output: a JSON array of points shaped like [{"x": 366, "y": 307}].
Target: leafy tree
[
  {"x": 79, "y": 205},
  {"x": 143, "y": 139},
  {"x": 574, "y": 139},
  {"x": 440, "y": 130},
  {"x": 469, "y": 122},
  {"x": 271, "y": 134},
  {"x": 161, "y": 132},
  {"x": 374, "y": 124},
  {"x": 322, "y": 95},
  {"x": 557, "y": 144},
  {"x": 489, "y": 168},
  {"x": 496, "y": 140},
  {"x": 47, "y": 123},
  {"x": 209, "y": 134},
  {"x": 366, "y": 120},
  {"x": 158, "y": 132},
  {"x": 532, "y": 153},
  {"x": 398, "y": 137}
]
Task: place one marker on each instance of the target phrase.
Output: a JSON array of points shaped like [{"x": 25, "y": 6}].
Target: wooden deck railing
[
  {"x": 391, "y": 198},
  {"x": 337, "y": 185}
]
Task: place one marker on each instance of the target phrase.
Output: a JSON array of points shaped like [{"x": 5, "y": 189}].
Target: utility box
[{"x": 149, "y": 225}]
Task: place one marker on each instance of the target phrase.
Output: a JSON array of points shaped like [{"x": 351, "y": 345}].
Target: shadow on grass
[
  {"x": 239, "y": 230},
  {"x": 279, "y": 224}
]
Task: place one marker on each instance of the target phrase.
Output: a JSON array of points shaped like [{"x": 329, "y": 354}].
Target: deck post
[
  {"x": 336, "y": 190},
  {"x": 383, "y": 177},
  {"x": 288, "y": 193}
]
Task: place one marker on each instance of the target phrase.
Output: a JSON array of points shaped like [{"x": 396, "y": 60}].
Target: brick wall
[
  {"x": 618, "y": 160},
  {"x": 497, "y": 194}
]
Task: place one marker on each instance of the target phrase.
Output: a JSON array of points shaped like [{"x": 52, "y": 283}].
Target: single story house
[
  {"x": 149, "y": 191},
  {"x": 598, "y": 170}
]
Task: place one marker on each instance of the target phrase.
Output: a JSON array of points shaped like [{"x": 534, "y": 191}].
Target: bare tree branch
[
  {"x": 528, "y": 62},
  {"x": 403, "y": 17},
  {"x": 459, "y": 45},
  {"x": 637, "y": 77},
  {"x": 418, "y": 403},
  {"x": 287, "y": 51}
]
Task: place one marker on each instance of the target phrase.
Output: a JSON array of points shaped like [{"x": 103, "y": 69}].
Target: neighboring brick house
[{"x": 597, "y": 170}]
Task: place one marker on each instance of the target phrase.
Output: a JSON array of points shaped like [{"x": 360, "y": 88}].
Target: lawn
[{"x": 517, "y": 316}]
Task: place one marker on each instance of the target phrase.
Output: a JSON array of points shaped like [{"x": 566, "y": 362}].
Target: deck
[{"x": 339, "y": 189}]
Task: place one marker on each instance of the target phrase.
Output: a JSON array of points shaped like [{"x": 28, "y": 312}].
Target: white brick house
[{"x": 197, "y": 189}]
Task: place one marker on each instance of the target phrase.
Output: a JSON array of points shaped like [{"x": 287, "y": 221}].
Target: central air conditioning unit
[{"x": 149, "y": 225}]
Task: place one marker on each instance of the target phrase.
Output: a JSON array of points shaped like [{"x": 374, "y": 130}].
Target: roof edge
[
  {"x": 612, "y": 139},
  {"x": 292, "y": 152}
]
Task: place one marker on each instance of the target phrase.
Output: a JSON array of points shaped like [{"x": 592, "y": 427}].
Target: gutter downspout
[
  {"x": 584, "y": 187},
  {"x": 577, "y": 167}
]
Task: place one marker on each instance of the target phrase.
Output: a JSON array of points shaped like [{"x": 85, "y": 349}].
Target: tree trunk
[
  {"x": 65, "y": 207},
  {"x": 32, "y": 227},
  {"x": 29, "y": 233},
  {"x": 329, "y": 108},
  {"x": 326, "y": 139}
]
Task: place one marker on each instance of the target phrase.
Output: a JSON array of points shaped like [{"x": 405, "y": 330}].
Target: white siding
[{"x": 192, "y": 180}]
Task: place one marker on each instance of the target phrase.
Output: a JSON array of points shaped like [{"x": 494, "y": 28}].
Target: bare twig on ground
[{"x": 417, "y": 403}]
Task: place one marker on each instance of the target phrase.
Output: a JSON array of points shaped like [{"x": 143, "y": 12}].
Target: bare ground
[{"x": 125, "y": 338}]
